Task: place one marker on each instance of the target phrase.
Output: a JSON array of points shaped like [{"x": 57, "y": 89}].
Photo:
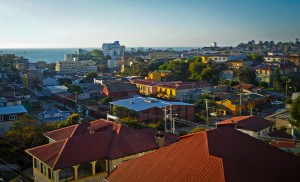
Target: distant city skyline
[{"x": 193, "y": 23}]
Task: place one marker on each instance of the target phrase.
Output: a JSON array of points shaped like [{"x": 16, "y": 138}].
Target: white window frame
[{"x": 13, "y": 117}]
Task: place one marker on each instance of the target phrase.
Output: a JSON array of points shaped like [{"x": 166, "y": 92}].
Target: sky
[{"x": 145, "y": 23}]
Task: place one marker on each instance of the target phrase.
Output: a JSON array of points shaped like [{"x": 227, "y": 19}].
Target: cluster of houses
[{"x": 104, "y": 150}]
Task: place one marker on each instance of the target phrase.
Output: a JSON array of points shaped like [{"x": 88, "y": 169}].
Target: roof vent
[{"x": 131, "y": 102}]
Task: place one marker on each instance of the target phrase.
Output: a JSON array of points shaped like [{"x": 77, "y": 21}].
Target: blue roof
[
  {"x": 144, "y": 103},
  {"x": 12, "y": 110}
]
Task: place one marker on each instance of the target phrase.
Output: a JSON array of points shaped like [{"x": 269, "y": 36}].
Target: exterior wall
[
  {"x": 5, "y": 126},
  {"x": 111, "y": 63},
  {"x": 7, "y": 123},
  {"x": 153, "y": 114},
  {"x": 166, "y": 93},
  {"x": 154, "y": 76},
  {"x": 158, "y": 114},
  {"x": 161, "y": 55},
  {"x": 114, "y": 163},
  {"x": 76, "y": 67},
  {"x": 146, "y": 89},
  {"x": 262, "y": 132},
  {"x": 41, "y": 177}
]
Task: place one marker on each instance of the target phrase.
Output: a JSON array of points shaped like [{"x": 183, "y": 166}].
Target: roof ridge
[
  {"x": 60, "y": 152},
  {"x": 59, "y": 129},
  {"x": 112, "y": 142}
]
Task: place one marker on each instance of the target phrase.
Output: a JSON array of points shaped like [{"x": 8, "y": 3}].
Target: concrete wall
[{"x": 114, "y": 163}]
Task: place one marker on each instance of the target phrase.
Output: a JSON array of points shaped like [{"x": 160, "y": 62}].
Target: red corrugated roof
[
  {"x": 187, "y": 160},
  {"x": 251, "y": 123},
  {"x": 96, "y": 140},
  {"x": 222, "y": 154}
]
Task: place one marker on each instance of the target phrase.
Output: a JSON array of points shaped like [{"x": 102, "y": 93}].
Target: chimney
[{"x": 160, "y": 139}]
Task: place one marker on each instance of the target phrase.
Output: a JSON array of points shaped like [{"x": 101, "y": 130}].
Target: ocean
[{"x": 57, "y": 54}]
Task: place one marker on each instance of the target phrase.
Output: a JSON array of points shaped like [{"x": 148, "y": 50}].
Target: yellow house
[
  {"x": 159, "y": 75},
  {"x": 166, "y": 91},
  {"x": 231, "y": 105},
  {"x": 179, "y": 90},
  {"x": 146, "y": 87},
  {"x": 90, "y": 151}
]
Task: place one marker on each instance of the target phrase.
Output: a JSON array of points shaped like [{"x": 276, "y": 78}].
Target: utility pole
[
  {"x": 165, "y": 118},
  {"x": 240, "y": 103},
  {"x": 206, "y": 105}
]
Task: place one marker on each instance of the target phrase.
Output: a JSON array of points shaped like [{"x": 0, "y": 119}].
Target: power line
[{"x": 13, "y": 170}]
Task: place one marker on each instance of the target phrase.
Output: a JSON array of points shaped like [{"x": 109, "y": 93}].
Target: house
[
  {"x": 90, "y": 151},
  {"x": 283, "y": 58},
  {"x": 265, "y": 74},
  {"x": 239, "y": 64},
  {"x": 75, "y": 66},
  {"x": 251, "y": 125},
  {"x": 220, "y": 58},
  {"x": 21, "y": 63},
  {"x": 48, "y": 90},
  {"x": 282, "y": 120},
  {"x": 222, "y": 154},
  {"x": 147, "y": 108},
  {"x": 158, "y": 75},
  {"x": 146, "y": 87},
  {"x": 117, "y": 90},
  {"x": 9, "y": 101},
  {"x": 8, "y": 115},
  {"x": 53, "y": 115},
  {"x": 233, "y": 103},
  {"x": 246, "y": 88},
  {"x": 177, "y": 90},
  {"x": 161, "y": 55}
]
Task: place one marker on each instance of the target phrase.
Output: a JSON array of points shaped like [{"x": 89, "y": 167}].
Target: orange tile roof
[
  {"x": 186, "y": 160},
  {"x": 96, "y": 140},
  {"x": 222, "y": 154}
]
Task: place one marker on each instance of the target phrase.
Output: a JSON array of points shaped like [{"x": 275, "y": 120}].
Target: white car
[{"x": 276, "y": 102}]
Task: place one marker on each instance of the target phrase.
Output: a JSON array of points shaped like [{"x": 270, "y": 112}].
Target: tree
[
  {"x": 64, "y": 81},
  {"x": 197, "y": 129},
  {"x": 133, "y": 123},
  {"x": 295, "y": 112},
  {"x": 207, "y": 74},
  {"x": 195, "y": 68},
  {"x": 73, "y": 119},
  {"x": 106, "y": 100},
  {"x": 89, "y": 77},
  {"x": 277, "y": 81},
  {"x": 74, "y": 88},
  {"x": 26, "y": 132},
  {"x": 97, "y": 53},
  {"x": 246, "y": 76},
  {"x": 122, "y": 112}
]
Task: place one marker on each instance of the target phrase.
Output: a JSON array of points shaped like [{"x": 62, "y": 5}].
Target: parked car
[{"x": 276, "y": 102}]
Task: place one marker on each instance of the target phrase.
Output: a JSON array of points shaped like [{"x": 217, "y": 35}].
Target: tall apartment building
[
  {"x": 114, "y": 50},
  {"x": 76, "y": 67}
]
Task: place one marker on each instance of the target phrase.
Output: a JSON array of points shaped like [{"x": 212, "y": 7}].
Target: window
[
  {"x": 84, "y": 170},
  {"x": 100, "y": 166},
  {"x": 66, "y": 174},
  {"x": 1, "y": 118},
  {"x": 13, "y": 117}
]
